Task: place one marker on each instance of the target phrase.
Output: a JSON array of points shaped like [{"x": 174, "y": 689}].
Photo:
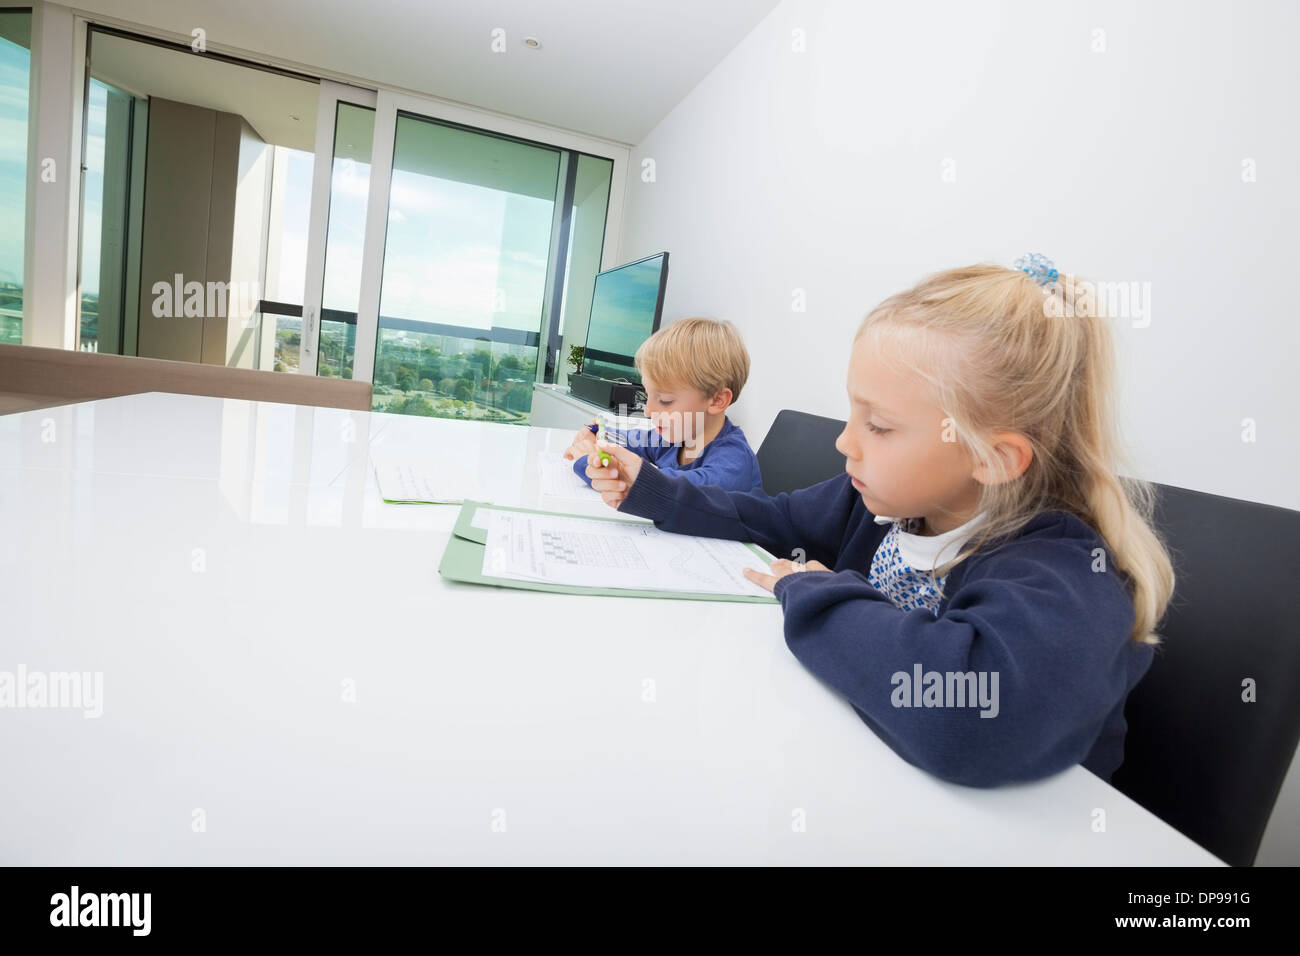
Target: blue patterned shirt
[{"x": 903, "y": 566}]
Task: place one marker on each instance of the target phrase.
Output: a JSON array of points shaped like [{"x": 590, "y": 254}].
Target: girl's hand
[
  {"x": 584, "y": 443},
  {"x": 780, "y": 569},
  {"x": 613, "y": 482}
]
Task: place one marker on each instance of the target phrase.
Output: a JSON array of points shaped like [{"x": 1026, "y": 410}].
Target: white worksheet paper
[
  {"x": 419, "y": 480},
  {"x": 559, "y": 480},
  {"x": 588, "y": 552}
]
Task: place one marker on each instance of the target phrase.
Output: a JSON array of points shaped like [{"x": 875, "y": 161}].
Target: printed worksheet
[{"x": 587, "y": 552}]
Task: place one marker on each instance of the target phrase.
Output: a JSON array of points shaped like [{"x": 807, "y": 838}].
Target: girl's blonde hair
[{"x": 1002, "y": 353}]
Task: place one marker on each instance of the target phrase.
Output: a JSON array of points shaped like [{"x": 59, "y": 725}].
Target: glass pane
[
  {"x": 286, "y": 251},
  {"x": 110, "y": 224},
  {"x": 586, "y": 242},
  {"x": 15, "y": 67},
  {"x": 354, "y": 134},
  {"x": 462, "y": 299}
]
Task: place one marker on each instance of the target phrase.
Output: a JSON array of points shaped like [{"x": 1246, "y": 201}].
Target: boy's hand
[
  {"x": 613, "y": 482},
  {"x": 584, "y": 443},
  {"x": 780, "y": 569}
]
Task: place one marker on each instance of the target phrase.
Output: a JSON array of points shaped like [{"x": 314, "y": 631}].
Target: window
[
  {"x": 286, "y": 255},
  {"x": 15, "y": 70},
  {"x": 354, "y": 134},
  {"x": 112, "y": 206},
  {"x": 480, "y": 252}
]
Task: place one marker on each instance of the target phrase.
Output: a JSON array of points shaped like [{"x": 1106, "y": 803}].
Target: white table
[{"x": 227, "y": 566}]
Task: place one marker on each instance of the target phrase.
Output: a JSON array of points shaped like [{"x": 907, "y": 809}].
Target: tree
[
  {"x": 388, "y": 377},
  {"x": 405, "y": 379},
  {"x": 347, "y": 371},
  {"x": 464, "y": 390},
  {"x": 425, "y": 385},
  {"x": 325, "y": 372},
  {"x": 418, "y": 405},
  {"x": 279, "y": 366}
]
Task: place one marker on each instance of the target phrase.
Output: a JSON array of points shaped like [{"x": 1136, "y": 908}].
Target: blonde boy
[{"x": 693, "y": 371}]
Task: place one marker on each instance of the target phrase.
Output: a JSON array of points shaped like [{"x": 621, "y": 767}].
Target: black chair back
[
  {"x": 1213, "y": 725},
  {"x": 798, "y": 451}
]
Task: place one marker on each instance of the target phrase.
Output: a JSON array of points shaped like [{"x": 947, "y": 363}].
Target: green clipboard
[{"x": 463, "y": 561}]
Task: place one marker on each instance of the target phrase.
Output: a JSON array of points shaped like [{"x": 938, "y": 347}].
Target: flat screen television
[{"x": 626, "y": 306}]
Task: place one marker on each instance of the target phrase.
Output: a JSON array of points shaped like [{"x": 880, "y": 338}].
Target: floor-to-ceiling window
[
  {"x": 112, "y": 207},
  {"x": 286, "y": 254},
  {"x": 480, "y": 236},
  {"x": 15, "y": 71},
  {"x": 354, "y": 133}
]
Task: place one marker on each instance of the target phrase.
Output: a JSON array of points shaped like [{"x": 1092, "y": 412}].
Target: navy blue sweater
[
  {"x": 727, "y": 461},
  {"x": 1032, "y": 610}
]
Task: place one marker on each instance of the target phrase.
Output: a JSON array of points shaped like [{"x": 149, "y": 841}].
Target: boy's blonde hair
[
  {"x": 1001, "y": 354},
  {"x": 703, "y": 354}
]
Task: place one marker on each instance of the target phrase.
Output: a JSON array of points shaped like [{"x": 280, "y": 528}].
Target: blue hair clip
[{"x": 1038, "y": 267}]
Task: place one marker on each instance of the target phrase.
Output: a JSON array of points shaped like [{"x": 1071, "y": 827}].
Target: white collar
[{"x": 923, "y": 552}]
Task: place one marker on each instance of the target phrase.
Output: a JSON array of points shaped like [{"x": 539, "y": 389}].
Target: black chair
[
  {"x": 1197, "y": 755},
  {"x": 798, "y": 451}
]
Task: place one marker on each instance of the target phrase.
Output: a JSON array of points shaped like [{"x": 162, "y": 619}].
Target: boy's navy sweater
[
  {"x": 727, "y": 461},
  {"x": 1033, "y": 610}
]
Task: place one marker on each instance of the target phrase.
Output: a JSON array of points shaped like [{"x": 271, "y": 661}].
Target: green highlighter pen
[{"x": 599, "y": 431}]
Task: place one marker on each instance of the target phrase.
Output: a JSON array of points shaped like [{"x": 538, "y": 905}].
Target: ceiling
[
  {"x": 607, "y": 68},
  {"x": 269, "y": 101}
]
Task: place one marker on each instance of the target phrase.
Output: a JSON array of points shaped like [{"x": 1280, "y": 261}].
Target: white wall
[{"x": 823, "y": 171}]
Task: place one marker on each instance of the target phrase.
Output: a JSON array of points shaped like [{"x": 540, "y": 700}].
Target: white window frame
[
  {"x": 52, "y": 234},
  {"x": 313, "y": 290}
]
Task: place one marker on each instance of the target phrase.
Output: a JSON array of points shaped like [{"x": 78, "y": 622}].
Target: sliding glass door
[
  {"x": 336, "y": 239},
  {"x": 465, "y": 267},
  {"x": 473, "y": 258}
]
